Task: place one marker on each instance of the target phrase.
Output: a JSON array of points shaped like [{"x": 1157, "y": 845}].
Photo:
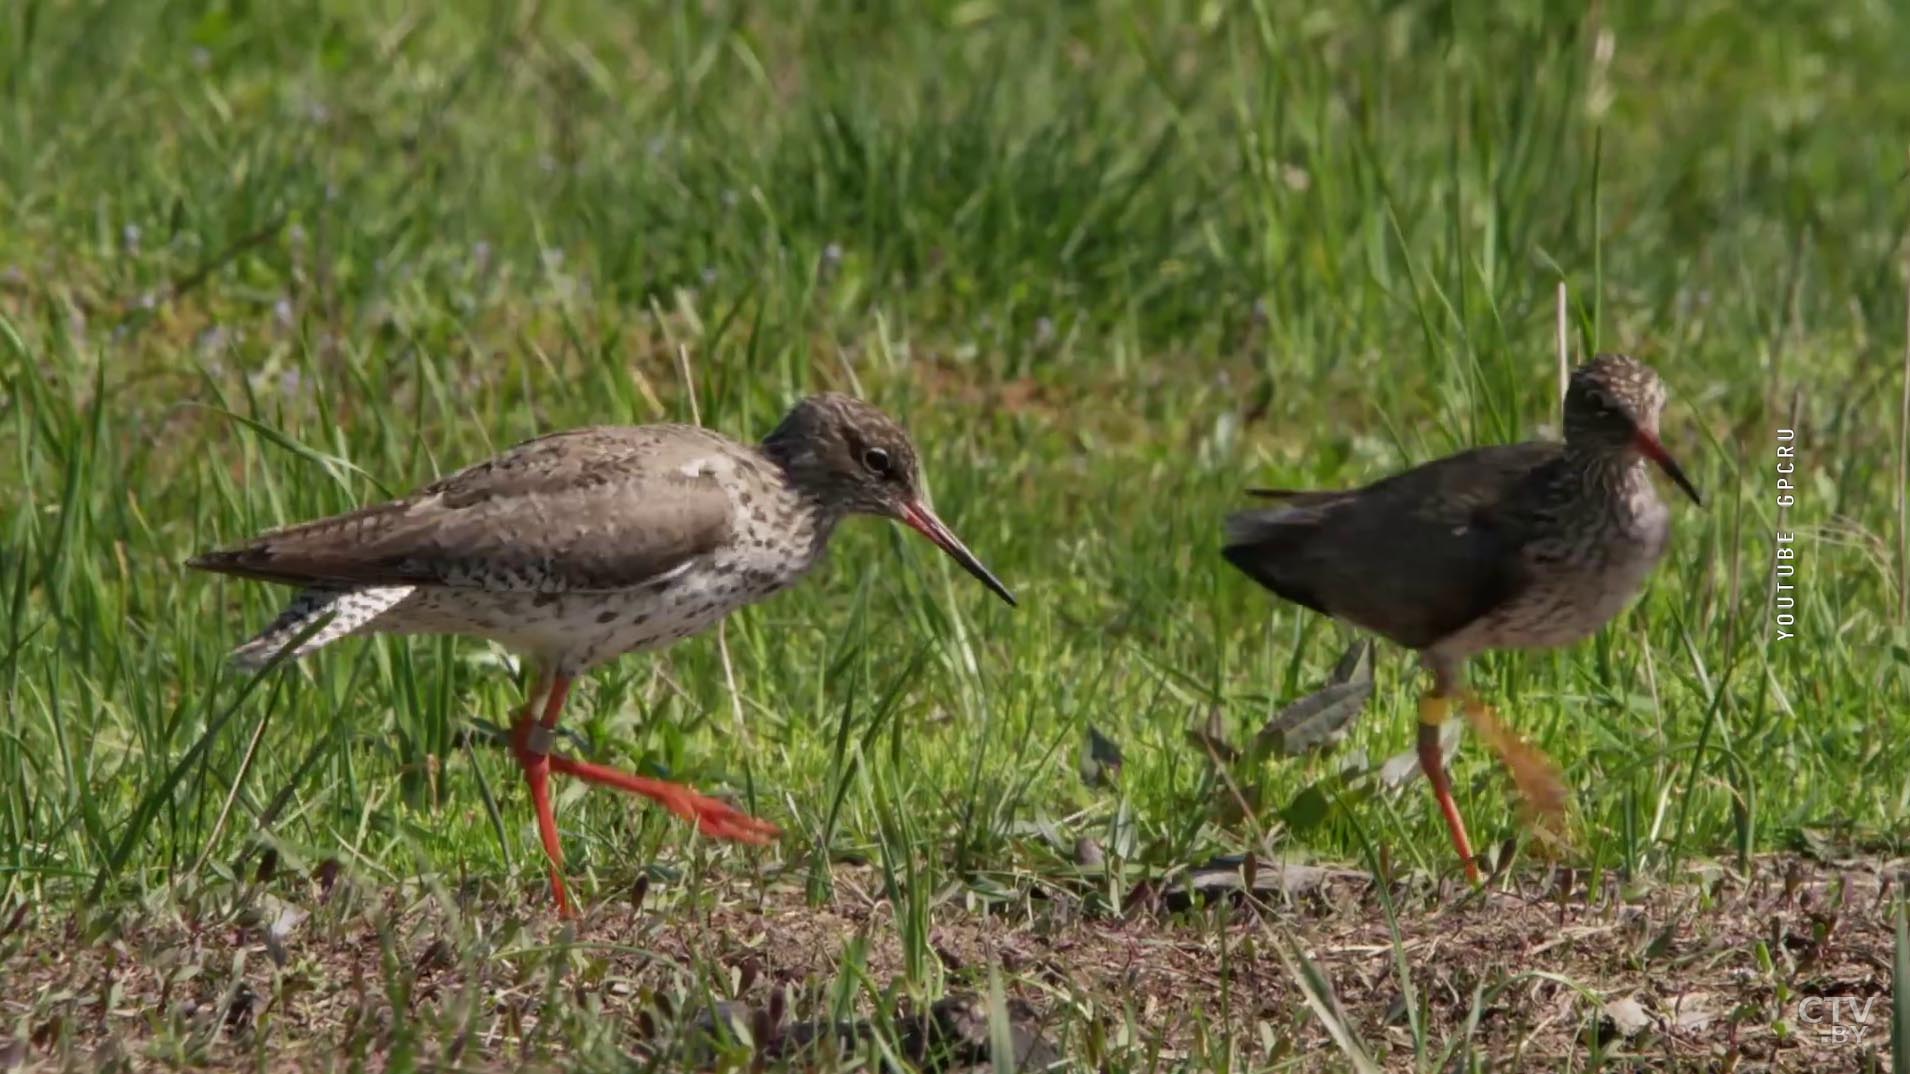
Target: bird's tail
[
  {"x": 341, "y": 611},
  {"x": 1298, "y": 497},
  {"x": 1270, "y": 529},
  {"x": 1271, "y": 544}
]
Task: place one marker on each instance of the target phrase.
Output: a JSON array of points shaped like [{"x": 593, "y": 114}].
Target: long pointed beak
[
  {"x": 1655, "y": 451},
  {"x": 923, "y": 521}
]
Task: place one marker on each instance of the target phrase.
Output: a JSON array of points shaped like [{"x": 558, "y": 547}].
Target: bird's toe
[
  {"x": 720, "y": 820},
  {"x": 735, "y": 825}
]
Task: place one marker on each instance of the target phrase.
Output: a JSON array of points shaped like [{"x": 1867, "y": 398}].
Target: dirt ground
[{"x": 1786, "y": 968}]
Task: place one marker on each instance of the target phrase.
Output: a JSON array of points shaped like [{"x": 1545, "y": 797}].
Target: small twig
[
  {"x": 128, "y": 310},
  {"x": 232, "y": 795},
  {"x": 1571, "y": 935},
  {"x": 192, "y": 280},
  {"x": 1565, "y": 347},
  {"x": 689, "y": 383}
]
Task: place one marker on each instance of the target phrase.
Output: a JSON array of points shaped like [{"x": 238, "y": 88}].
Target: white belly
[{"x": 576, "y": 631}]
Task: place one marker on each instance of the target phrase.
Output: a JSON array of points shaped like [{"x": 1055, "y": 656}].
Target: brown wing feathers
[{"x": 592, "y": 509}]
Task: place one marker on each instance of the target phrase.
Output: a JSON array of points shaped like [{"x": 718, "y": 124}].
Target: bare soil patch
[{"x": 1725, "y": 971}]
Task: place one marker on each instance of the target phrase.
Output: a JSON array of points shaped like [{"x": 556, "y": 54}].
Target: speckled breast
[{"x": 1580, "y": 582}]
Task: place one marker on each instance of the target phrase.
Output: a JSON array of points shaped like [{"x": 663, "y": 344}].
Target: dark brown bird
[
  {"x": 580, "y": 546},
  {"x": 1519, "y": 546}
]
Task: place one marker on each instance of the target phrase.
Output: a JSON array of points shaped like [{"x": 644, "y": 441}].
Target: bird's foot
[
  {"x": 720, "y": 820},
  {"x": 1541, "y": 787},
  {"x": 712, "y": 816}
]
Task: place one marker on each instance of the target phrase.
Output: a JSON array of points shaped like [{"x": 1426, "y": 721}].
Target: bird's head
[
  {"x": 851, "y": 458},
  {"x": 1612, "y": 406}
]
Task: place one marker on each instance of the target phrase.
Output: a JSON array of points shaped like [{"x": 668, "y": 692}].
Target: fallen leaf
[
  {"x": 1627, "y": 1016},
  {"x": 1321, "y": 718}
]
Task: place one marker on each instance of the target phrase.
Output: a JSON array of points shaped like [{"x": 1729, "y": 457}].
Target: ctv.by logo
[{"x": 1836, "y": 1019}]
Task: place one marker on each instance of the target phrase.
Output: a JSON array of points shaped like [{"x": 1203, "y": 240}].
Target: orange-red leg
[
  {"x": 532, "y": 747},
  {"x": 1541, "y": 786},
  {"x": 712, "y": 816},
  {"x": 1433, "y": 711},
  {"x": 532, "y": 742}
]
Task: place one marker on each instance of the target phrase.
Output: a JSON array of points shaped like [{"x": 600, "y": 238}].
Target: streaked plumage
[
  {"x": 573, "y": 548},
  {"x": 580, "y": 546},
  {"x": 1519, "y": 546}
]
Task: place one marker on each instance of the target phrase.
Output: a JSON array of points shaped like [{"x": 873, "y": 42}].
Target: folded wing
[
  {"x": 591, "y": 509},
  {"x": 1414, "y": 557}
]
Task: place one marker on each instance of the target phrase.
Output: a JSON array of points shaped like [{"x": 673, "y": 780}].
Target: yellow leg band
[{"x": 1434, "y": 709}]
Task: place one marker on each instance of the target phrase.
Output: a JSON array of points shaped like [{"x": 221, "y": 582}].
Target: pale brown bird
[{"x": 577, "y": 547}]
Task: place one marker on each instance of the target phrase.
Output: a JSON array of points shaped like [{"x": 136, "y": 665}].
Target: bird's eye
[{"x": 877, "y": 460}]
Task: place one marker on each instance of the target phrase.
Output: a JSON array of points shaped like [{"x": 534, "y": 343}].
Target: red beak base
[
  {"x": 923, "y": 521},
  {"x": 1652, "y": 449}
]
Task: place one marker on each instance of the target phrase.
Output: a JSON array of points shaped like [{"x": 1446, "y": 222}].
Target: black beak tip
[
  {"x": 987, "y": 577},
  {"x": 1684, "y": 484},
  {"x": 923, "y": 521}
]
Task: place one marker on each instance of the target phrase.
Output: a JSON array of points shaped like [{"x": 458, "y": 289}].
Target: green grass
[{"x": 1111, "y": 262}]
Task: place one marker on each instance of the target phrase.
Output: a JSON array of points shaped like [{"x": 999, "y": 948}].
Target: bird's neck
[
  {"x": 791, "y": 453},
  {"x": 1619, "y": 478},
  {"x": 795, "y": 459}
]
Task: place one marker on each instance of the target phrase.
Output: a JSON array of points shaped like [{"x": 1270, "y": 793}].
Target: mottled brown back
[{"x": 600, "y": 508}]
